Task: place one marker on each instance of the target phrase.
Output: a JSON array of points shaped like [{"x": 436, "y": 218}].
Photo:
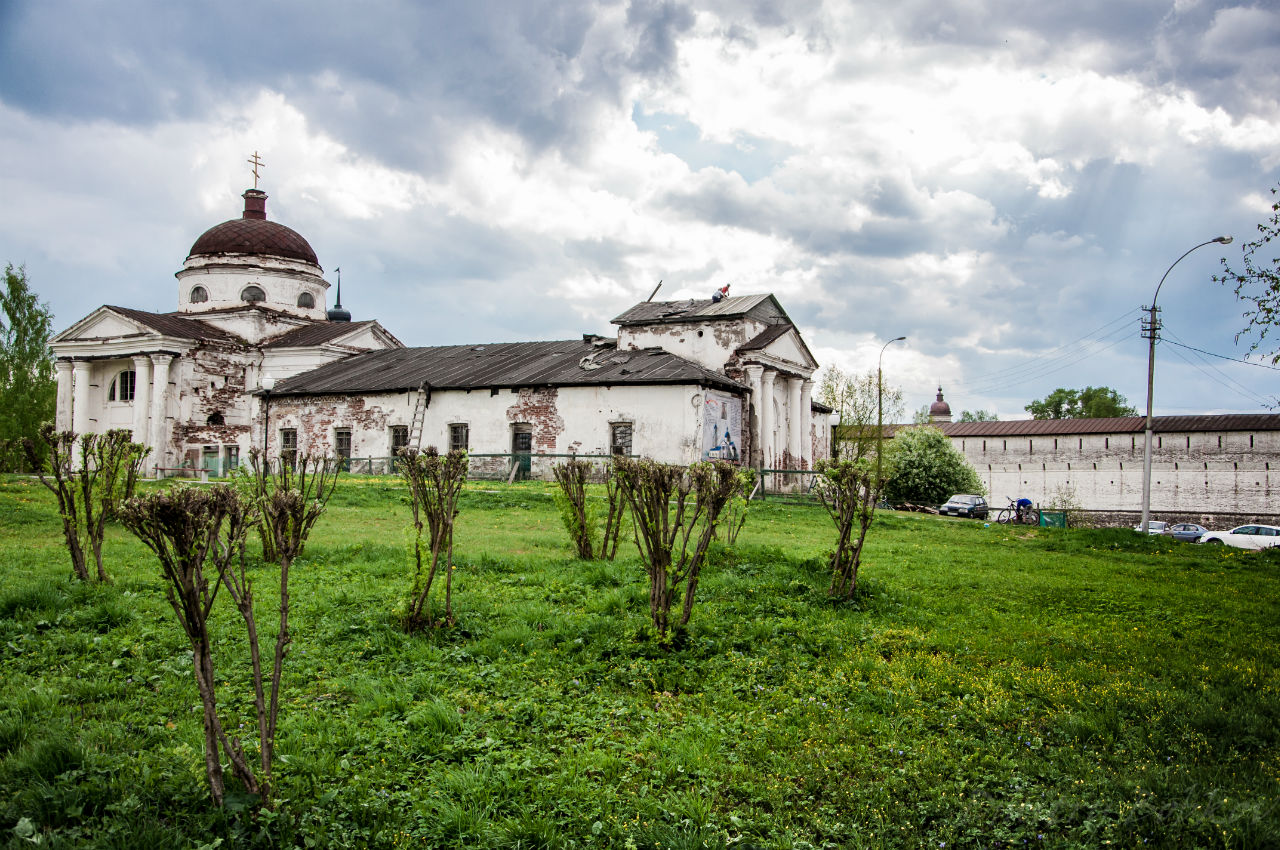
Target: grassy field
[{"x": 991, "y": 687}]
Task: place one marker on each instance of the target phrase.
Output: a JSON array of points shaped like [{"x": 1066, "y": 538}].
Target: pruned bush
[
  {"x": 736, "y": 511},
  {"x": 676, "y": 510},
  {"x": 849, "y": 490},
  {"x": 189, "y": 528},
  {"x": 435, "y": 482},
  {"x": 88, "y": 491},
  {"x": 289, "y": 498},
  {"x": 581, "y": 517}
]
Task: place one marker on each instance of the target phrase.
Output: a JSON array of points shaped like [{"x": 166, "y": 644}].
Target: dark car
[
  {"x": 1187, "y": 532},
  {"x": 965, "y": 505}
]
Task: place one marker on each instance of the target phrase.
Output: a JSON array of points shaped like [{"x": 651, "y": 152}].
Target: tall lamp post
[
  {"x": 268, "y": 384},
  {"x": 1152, "y": 331},
  {"x": 880, "y": 406}
]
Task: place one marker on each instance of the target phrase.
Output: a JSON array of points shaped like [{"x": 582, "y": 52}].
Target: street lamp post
[
  {"x": 1151, "y": 332},
  {"x": 268, "y": 384},
  {"x": 880, "y": 407}
]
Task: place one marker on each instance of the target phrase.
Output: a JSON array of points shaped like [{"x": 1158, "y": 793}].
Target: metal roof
[
  {"x": 317, "y": 333},
  {"x": 763, "y": 307},
  {"x": 583, "y": 362},
  {"x": 176, "y": 325},
  {"x": 1116, "y": 425}
]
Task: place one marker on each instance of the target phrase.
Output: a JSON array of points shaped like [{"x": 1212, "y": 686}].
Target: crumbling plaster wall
[
  {"x": 1191, "y": 472},
  {"x": 665, "y": 420},
  {"x": 210, "y": 382},
  {"x": 709, "y": 344}
]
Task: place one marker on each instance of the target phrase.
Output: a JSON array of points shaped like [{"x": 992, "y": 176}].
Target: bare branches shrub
[
  {"x": 289, "y": 497},
  {"x": 676, "y": 511},
  {"x": 188, "y": 528},
  {"x": 849, "y": 490},
  {"x": 435, "y": 482},
  {"x": 736, "y": 511},
  {"x": 89, "y": 491},
  {"x": 580, "y": 516}
]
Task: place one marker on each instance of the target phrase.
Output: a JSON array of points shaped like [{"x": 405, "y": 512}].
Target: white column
[
  {"x": 80, "y": 397},
  {"x": 753, "y": 379},
  {"x": 159, "y": 405},
  {"x": 767, "y": 449},
  {"x": 141, "y": 398},
  {"x": 806, "y": 424},
  {"x": 794, "y": 421},
  {"x": 62, "y": 413}
]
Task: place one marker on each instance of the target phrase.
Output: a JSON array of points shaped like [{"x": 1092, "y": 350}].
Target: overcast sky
[{"x": 1001, "y": 182}]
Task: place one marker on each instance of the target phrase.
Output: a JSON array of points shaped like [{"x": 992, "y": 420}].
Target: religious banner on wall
[{"x": 721, "y": 426}]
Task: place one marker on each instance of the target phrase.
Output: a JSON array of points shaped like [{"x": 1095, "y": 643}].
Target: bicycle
[{"x": 1019, "y": 512}]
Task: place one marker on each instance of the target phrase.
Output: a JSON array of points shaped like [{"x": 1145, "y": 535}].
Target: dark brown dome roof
[
  {"x": 253, "y": 234},
  {"x": 940, "y": 407}
]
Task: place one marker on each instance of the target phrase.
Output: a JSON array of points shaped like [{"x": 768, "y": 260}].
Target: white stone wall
[
  {"x": 710, "y": 344},
  {"x": 666, "y": 420},
  {"x": 282, "y": 281},
  {"x": 1216, "y": 472}
]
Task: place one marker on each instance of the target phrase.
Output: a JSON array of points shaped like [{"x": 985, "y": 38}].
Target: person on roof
[{"x": 720, "y": 294}]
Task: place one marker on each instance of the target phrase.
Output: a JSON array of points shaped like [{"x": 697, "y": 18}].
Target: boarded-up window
[
  {"x": 620, "y": 438},
  {"x": 459, "y": 437}
]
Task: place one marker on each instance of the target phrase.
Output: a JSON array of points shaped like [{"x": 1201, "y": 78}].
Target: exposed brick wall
[{"x": 538, "y": 408}]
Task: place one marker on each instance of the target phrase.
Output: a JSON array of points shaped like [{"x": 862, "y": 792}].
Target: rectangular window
[
  {"x": 620, "y": 438},
  {"x": 459, "y": 437},
  {"x": 342, "y": 446},
  {"x": 289, "y": 446},
  {"x": 399, "y": 439},
  {"x": 231, "y": 458}
]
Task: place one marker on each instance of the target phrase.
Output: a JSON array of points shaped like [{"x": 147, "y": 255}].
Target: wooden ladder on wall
[{"x": 419, "y": 416}]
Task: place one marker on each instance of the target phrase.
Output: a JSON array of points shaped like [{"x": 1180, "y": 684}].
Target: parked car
[
  {"x": 965, "y": 504},
  {"x": 1245, "y": 537},
  {"x": 1154, "y": 527},
  {"x": 1187, "y": 532}
]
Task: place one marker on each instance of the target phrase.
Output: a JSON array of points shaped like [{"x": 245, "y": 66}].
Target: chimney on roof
[{"x": 255, "y": 203}]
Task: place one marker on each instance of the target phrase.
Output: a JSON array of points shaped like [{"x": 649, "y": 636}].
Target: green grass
[{"x": 988, "y": 688}]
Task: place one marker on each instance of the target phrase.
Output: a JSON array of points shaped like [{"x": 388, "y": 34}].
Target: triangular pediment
[
  {"x": 788, "y": 347},
  {"x": 103, "y": 323}
]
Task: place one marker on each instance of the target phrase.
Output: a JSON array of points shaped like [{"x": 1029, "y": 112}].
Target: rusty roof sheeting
[
  {"x": 503, "y": 365},
  {"x": 177, "y": 325},
  {"x": 317, "y": 333}
]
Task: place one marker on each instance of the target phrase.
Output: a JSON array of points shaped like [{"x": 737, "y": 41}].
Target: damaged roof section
[
  {"x": 582, "y": 362},
  {"x": 762, "y": 308}
]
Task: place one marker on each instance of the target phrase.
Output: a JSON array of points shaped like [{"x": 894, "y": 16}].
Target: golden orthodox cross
[{"x": 257, "y": 163}]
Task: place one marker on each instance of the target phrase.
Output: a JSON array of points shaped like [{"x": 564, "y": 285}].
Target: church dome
[
  {"x": 253, "y": 234},
  {"x": 940, "y": 407}
]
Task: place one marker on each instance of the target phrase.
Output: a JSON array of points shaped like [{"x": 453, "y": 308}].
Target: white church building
[{"x": 253, "y": 357}]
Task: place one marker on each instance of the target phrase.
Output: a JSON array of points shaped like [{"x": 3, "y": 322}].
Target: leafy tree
[
  {"x": 928, "y": 469},
  {"x": 1088, "y": 403},
  {"x": 1257, "y": 282},
  {"x": 676, "y": 510},
  {"x": 90, "y": 489},
  {"x": 27, "y": 387},
  {"x": 978, "y": 416},
  {"x": 854, "y": 398}
]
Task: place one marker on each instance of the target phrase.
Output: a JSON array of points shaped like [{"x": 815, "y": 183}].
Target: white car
[
  {"x": 1154, "y": 527},
  {"x": 1245, "y": 537}
]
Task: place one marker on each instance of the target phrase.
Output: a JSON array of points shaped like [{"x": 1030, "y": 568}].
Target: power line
[{"x": 1223, "y": 356}]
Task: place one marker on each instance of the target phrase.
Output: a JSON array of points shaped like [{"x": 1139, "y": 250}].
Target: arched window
[
  {"x": 252, "y": 294},
  {"x": 199, "y": 295},
  {"x": 216, "y": 418},
  {"x": 122, "y": 386},
  {"x": 307, "y": 300}
]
